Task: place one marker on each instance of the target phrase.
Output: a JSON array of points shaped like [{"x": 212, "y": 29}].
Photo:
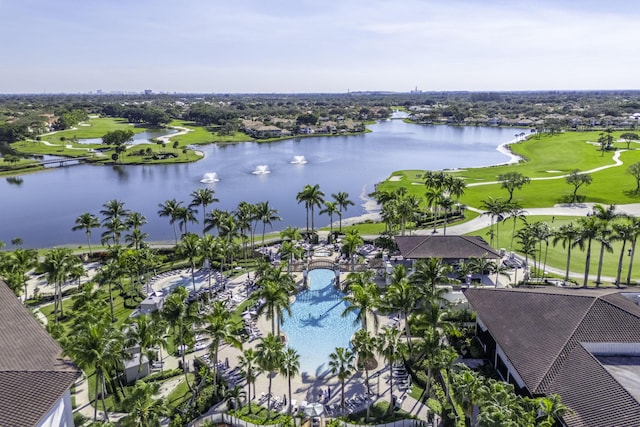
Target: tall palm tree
[
  {"x": 220, "y": 327},
  {"x": 330, "y": 208},
  {"x": 140, "y": 334},
  {"x": 515, "y": 213},
  {"x": 113, "y": 213},
  {"x": 170, "y": 209},
  {"x": 430, "y": 273},
  {"x": 635, "y": 225},
  {"x": 568, "y": 235},
  {"x": 290, "y": 251},
  {"x": 433, "y": 196},
  {"x": 363, "y": 297},
  {"x": 352, "y": 240},
  {"x": 158, "y": 329},
  {"x": 114, "y": 227},
  {"x": 290, "y": 368},
  {"x": 390, "y": 348},
  {"x": 108, "y": 274},
  {"x": 402, "y": 296},
  {"x": 203, "y": 197},
  {"x": 185, "y": 215},
  {"x": 623, "y": 233},
  {"x": 245, "y": 214},
  {"x": 269, "y": 353},
  {"x": 495, "y": 209},
  {"x": 247, "y": 361},
  {"x": 98, "y": 346},
  {"x": 267, "y": 215},
  {"x": 189, "y": 246},
  {"x": 589, "y": 229},
  {"x": 274, "y": 288},
  {"x": 57, "y": 264},
  {"x": 606, "y": 216},
  {"x": 291, "y": 233},
  {"x": 364, "y": 346},
  {"x": 86, "y": 222},
  {"x": 143, "y": 408},
  {"x": 209, "y": 249},
  {"x": 342, "y": 201},
  {"x": 341, "y": 364},
  {"x": 20, "y": 261},
  {"x": 312, "y": 197},
  {"x": 447, "y": 203}
]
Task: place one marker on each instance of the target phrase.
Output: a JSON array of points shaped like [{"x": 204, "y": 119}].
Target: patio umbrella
[{"x": 314, "y": 410}]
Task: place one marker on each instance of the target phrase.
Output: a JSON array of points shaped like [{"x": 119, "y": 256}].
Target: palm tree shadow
[{"x": 634, "y": 194}]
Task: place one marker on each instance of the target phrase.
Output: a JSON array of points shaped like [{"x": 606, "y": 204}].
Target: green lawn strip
[
  {"x": 258, "y": 415},
  {"x": 557, "y": 256},
  {"x": 199, "y": 135},
  {"x": 96, "y": 128},
  {"x": 560, "y": 153},
  {"x": 180, "y": 393}
]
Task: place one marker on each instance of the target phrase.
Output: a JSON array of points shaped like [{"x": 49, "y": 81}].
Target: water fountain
[
  {"x": 298, "y": 160},
  {"x": 209, "y": 178},
  {"x": 261, "y": 170}
]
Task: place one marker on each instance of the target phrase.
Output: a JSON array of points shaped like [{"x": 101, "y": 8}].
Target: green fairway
[{"x": 557, "y": 256}]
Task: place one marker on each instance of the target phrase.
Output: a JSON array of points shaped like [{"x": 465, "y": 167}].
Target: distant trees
[
  {"x": 629, "y": 137},
  {"x": 69, "y": 118},
  {"x": 578, "y": 179}
]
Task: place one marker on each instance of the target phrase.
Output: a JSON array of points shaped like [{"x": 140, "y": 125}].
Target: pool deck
[{"x": 304, "y": 387}]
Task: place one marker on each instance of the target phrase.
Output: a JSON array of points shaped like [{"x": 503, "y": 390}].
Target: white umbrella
[{"x": 314, "y": 410}]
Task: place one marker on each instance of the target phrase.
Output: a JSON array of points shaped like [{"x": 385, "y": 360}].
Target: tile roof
[
  {"x": 33, "y": 373},
  {"x": 543, "y": 333},
  {"x": 446, "y": 247}
]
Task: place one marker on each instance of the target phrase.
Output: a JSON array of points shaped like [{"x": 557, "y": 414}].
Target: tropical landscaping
[{"x": 90, "y": 298}]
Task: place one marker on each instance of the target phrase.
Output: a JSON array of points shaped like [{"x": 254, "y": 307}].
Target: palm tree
[
  {"x": 390, "y": 348},
  {"x": 98, "y": 346},
  {"x": 189, "y": 247},
  {"x": 290, "y": 368},
  {"x": 158, "y": 328},
  {"x": 568, "y": 235},
  {"x": 86, "y": 222},
  {"x": 113, "y": 213},
  {"x": 494, "y": 208},
  {"x": 364, "y": 345},
  {"x": 290, "y": 251},
  {"x": 245, "y": 214},
  {"x": 433, "y": 196},
  {"x": 515, "y": 212},
  {"x": 267, "y": 215},
  {"x": 247, "y": 361},
  {"x": 144, "y": 410},
  {"x": 341, "y": 363},
  {"x": 203, "y": 197},
  {"x": 589, "y": 229},
  {"x": 363, "y": 297},
  {"x": 430, "y": 273},
  {"x": 274, "y": 288},
  {"x": 330, "y": 208},
  {"x": 635, "y": 225},
  {"x": 401, "y": 296},
  {"x": 185, "y": 215},
  {"x": 57, "y": 264},
  {"x": 220, "y": 327},
  {"x": 209, "y": 249},
  {"x": 140, "y": 334},
  {"x": 312, "y": 197},
  {"x": 170, "y": 209},
  {"x": 623, "y": 233},
  {"x": 20, "y": 261},
  {"x": 108, "y": 275},
  {"x": 446, "y": 203},
  {"x": 342, "y": 201},
  {"x": 605, "y": 215},
  {"x": 291, "y": 233},
  {"x": 269, "y": 354},
  {"x": 182, "y": 315},
  {"x": 134, "y": 221},
  {"x": 235, "y": 396},
  {"x": 352, "y": 240}
]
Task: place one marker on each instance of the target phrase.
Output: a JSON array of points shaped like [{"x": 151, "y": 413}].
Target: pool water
[{"x": 316, "y": 326}]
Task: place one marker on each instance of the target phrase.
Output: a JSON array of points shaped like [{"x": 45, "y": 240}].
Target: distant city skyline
[{"x": 307, "y": 46}]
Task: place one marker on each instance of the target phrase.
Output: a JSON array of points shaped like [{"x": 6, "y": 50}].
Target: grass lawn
[
  {"x": 95, "y": 128},
  {"x": 180, "y": 393},
  {"x": 550, "y": 156},
  {"x": 557, "y": 256},
  {"x": 201, "y": 135}
]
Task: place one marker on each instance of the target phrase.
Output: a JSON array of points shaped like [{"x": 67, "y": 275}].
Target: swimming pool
[{"x": 316, "y": 326}]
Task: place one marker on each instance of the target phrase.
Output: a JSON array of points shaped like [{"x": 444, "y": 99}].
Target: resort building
[
  {"x": 582, "y": 344},
  {"x": 35, "y": 379},
  {"x": 451, "y": 249}
]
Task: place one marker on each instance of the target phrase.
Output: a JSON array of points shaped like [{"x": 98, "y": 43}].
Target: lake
[{"x": 41, "y": 208}]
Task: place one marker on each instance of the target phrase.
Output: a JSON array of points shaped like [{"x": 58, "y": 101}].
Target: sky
[{"x": 330, "y": 46}]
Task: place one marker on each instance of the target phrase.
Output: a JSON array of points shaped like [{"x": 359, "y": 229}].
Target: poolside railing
[{"x": 223, "y": 418}]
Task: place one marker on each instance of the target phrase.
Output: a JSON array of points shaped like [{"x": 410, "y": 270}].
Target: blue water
[{"x": 316, "y": 326}]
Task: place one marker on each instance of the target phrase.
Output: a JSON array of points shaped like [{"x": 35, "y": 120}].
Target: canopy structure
[{"x": 314, "y": 410}]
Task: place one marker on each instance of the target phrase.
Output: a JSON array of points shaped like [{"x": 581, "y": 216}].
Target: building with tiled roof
[
  {"x": 35, "y": 379},
  {"x": 448, "y": 248},
  {"x": 582, "y": 344}
]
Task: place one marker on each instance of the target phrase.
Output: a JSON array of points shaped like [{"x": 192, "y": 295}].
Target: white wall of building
[{"x": 61, "y": 414}]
